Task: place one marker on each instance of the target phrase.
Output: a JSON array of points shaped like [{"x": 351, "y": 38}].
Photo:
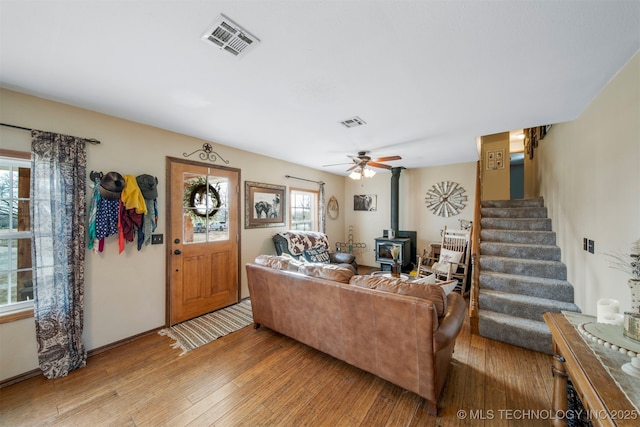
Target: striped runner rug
[{"x": 197, "y": 332}]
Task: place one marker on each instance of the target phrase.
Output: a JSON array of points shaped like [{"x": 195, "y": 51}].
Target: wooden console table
[{"x": 600, "y": 395}]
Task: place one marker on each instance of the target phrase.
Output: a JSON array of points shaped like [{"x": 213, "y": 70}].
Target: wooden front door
[{"x": 202, "y": 240}]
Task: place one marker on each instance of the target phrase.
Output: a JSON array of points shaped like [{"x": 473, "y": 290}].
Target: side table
[{"x": 606, "y": 403}]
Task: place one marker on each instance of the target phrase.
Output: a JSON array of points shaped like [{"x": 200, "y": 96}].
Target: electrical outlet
[
  {"x": 157, "y": 239},
  {"x": 592, "y": 246}
]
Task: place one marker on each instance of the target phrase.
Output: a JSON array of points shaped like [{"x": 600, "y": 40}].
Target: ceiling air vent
[
  {"x": 229, "y": 36},
  {"x": 353, "y": 122}
]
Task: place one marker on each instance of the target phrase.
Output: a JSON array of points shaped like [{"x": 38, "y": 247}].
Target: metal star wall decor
[{"x": 446, "y": 199}]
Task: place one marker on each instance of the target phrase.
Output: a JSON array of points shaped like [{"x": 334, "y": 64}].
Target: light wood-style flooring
[{"x": 258, "y": 377}]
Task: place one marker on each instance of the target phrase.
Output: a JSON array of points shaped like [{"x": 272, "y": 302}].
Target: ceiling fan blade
[
  {"x": 352, "y": 168},
  {"x": 387, "y": 159},
  {"x": 378, "y": 165},
  {"x": 336, "y": 164}
]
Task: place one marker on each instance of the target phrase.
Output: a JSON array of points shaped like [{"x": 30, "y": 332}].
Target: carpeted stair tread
[
  {"x": 521, "y": 212},
  {"x": 524, "y": 267},
  {"x": 519, "y": 236},
  {"x": 525, "y": 333},
  {"x": 530, "y": 224},
  {"x": 521, "y": 250},
  {"x": 541, "y": 287},
  {"x": 522, "y": 274},
  {"x": 524, "y": 306},
  {"x": 516, "y": 203}
]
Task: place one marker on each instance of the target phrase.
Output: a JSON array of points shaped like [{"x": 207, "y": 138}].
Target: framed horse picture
[{"x": 264, "y": 205}]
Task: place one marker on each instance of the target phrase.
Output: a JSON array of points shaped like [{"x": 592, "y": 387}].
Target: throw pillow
[
  {"x": 441, "y": 267},
  {"x": 427, "y": 280},
  {"x": 447, "y": 287},
  {"x": 447, "y": 255},
  {"x": 317, "y": 254}
]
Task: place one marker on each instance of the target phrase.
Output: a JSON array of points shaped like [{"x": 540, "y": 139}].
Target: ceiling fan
[
  {"x": 362, "y": 161},
  {"x": 362, "y": 164}
]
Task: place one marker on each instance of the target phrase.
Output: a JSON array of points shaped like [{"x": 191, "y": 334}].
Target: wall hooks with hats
[
  {"x": 207, "y": 153},
  {"x": 123, "y": 205},
  {"x": 111, "y": 186},
  {"x": 95, "y": 175}
]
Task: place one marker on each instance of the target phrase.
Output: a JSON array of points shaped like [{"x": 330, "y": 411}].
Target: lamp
[{"x": 362, "y": 173}]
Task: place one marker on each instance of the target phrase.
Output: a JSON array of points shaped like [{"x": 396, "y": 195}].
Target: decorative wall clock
[
  {"x": 333, "y": 210},
  {"x": 446, "y": 199}
]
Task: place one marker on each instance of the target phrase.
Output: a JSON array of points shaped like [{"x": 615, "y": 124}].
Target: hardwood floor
[{"x": 258, "y": 377}]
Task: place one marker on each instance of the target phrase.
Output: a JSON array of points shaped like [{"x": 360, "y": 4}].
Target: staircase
[{"x": 521, "y": 275}]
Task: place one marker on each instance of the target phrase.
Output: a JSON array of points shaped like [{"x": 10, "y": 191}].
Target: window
[
  {"x": 16, "y": 274},
  {"x": 304, "y": 209},
  {"x": 206, "y": 208}
]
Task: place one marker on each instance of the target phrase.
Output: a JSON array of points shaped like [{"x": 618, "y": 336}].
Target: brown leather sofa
[{"x": 399, "y": 338}]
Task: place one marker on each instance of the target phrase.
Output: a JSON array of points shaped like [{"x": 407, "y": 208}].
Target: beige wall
[
  {"x": 125, "y": 294},
  {"x": 588, "y": 171},
  {"x": 495, "y": 181},
  {"x": 414, "y": 215},
  {"x": 531, "y": 181}
]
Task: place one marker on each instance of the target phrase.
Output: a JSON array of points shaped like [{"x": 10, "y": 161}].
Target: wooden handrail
[{"x": 475, "y": 254}]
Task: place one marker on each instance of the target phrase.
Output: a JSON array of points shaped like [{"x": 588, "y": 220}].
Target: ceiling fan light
[
  {"x": 369, "y": 173},
  {"x": 355, "y": 174}
]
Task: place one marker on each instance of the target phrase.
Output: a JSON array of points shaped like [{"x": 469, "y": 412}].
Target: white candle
[
  {"x": 612, "y": 319},
  {"x": 607, "y": 306}
]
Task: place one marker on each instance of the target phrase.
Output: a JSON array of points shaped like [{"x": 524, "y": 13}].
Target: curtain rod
[
  {"x": 89, "y": 140},
  {"x": 304, "y": 179}
]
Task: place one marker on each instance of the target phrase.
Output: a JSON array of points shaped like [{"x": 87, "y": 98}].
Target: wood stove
[
  {"x": 406, "y": 239},
  {"x": 383, "y": 250}
]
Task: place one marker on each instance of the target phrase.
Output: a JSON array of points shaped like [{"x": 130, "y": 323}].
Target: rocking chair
[{"x": 454, "y": 259}]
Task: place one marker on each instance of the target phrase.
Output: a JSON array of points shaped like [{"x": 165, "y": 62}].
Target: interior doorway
[
  {"x": 516, "y": 164},
  {"x": 516, "y": 176}
]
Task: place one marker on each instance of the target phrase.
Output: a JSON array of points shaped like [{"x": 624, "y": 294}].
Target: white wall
[
  {"x": 589, "y": 176},
  {"x": 414, "y": 215},
  {"x": 125, "y": 294}
]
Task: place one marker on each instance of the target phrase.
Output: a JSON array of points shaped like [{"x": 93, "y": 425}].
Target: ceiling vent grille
[
  {"x": 353, "y": 122},
  {"x": 229, "y": 36}
]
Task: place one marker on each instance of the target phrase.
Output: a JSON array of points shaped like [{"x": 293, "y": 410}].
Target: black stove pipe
[{"x": 395, "y": 198}]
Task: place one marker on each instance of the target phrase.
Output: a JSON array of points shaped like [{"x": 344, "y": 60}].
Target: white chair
[{"x": 454, "y": 259}]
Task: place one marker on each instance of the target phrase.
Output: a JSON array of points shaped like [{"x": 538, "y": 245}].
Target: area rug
[{"x": 206, "y": 328}]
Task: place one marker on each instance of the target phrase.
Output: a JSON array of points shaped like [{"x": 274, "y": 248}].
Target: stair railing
[{"x": 475, "y": 254}]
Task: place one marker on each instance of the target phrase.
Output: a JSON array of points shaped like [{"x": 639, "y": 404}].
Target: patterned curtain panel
[{"x": 58, "y": 190}]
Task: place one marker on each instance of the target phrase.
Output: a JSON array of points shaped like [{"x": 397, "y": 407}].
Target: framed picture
[
  {"x": 264, "y": 205},
  {"x": 495, "y": 159},
  {"x": 365, "y": 202}
]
